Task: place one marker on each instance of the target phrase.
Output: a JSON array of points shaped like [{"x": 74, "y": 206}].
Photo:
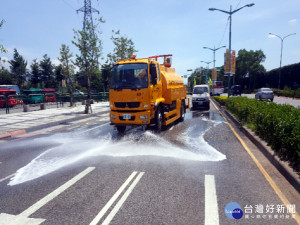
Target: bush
[
  {"x": 287, "y": 92},
  {"x": 221, "y": 99},
  {"x": 278, "y": 125}
]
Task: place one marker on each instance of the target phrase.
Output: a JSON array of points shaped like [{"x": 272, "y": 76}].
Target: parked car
[
  {"x": 236, "y": 90},
  {"x": 200, "y": 97},
  {"x": 264, "y": 93},
  {"x": 78, "y": 93}
]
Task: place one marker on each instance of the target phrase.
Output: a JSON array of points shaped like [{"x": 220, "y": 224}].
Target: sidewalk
[{"x": 24, "y": 122}]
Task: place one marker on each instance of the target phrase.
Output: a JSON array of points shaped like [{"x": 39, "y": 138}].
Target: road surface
[{"x": 191, "y": 173}]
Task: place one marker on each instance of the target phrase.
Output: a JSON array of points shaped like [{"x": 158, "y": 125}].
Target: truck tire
[
  {"x": 182, "y": 112},
  {"x": 121, "y": 129},
  {"x": 158, "y": 119}
]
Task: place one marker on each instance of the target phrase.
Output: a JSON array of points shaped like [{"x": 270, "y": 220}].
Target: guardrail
[{"x": 13, "y": 102}]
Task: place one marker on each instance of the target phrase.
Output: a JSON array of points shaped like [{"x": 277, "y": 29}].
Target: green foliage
[
  {"x": 278, "y": 125},
  {"x": 221, "y": 99},
  {"x": 35, "y": 74},
  {"x": 124, "y": 48},
  {"x": 2, "y": 49},
  {"x": 67, "y": 70},
  {"x": 47, "y": 75},
  {"x": 289, "y": 75},
  {"x": 249, "y": 70},
  {"x": 18, "y": 69},
  {"x": 5, "y": 76},
  {"x": 287, "y": 92},
  {"x": 90, "y": 48}
]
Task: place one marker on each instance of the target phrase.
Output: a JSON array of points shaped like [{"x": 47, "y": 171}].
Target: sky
[{"x": 178, "y": 27}]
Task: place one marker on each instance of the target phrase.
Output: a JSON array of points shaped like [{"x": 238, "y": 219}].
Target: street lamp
[
  {"x": 230, "y": 13},
  {"x": 280, "y": 52},
  {"x": 214, "y": 50},
  {"x": 207, "y": 69}
]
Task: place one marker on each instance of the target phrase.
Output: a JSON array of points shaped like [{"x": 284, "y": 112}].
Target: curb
[
  {"x": 268, "y": 152},
  {"x": 13, "y": 133},
  {"x": 52, "y": 124}
]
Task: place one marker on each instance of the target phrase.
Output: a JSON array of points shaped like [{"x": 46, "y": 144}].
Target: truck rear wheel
[
  {"x": 158, "y": 119},
  {"x": 121, "y": 129},
  {"x": 182, "y": 112}
]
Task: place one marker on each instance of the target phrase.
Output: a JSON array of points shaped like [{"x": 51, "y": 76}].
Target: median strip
[{"x": 260, "y": 167}]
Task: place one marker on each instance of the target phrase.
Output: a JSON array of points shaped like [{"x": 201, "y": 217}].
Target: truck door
[{"x": 155, "y": 82}]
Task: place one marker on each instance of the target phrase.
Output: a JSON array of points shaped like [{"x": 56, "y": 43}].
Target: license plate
[
  {"x": 200, "y": 103},
  {"x": 126, "y": 116}
]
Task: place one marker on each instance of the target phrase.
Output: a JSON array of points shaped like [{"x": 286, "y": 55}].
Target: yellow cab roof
[{"x": 142, "y": 60}]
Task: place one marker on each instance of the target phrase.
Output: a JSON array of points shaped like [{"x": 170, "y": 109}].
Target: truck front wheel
[
  {"x": 158, "y": 119},
  {"x": 121, "y": 129}
]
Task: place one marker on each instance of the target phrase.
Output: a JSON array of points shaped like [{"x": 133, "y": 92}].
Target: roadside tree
[
  {"x": 35, "y": 74},
  {"x": 249, "y": 70},
  {"x": 47, "y": 75},
  {"x": 18, "y": 69},
  {"x": 90, "y": 48},
  {"x": 67, "y": 70},
  {"x": 124, "y": 48}
]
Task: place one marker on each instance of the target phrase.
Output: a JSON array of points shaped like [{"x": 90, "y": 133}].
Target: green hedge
[
  {"x": 287, "y": 92},
  {"x": 278, "y": 125}
]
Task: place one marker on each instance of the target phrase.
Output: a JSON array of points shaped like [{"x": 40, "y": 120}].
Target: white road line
[
  {"x": 122, "y": 200},
  {"x": 211, "y": 204},
  {"x": 55, "y": 193},
  {"x": 112, "y": 200},
  {"x": 5, "y": 178}
]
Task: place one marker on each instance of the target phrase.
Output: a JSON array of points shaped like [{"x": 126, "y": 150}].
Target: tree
[
  {"x": 2, "y": 49},
  {"x": 90, "y": 48},
  {"x": 5, "y": 76},
  {"x": 18, "y": 68},
  {"x": 47, "y": 77},
  {"x": 58, "y": 75},
  {"x": 35, "y": 74},
  {"x": 124, "y": 48},
  {"x": 67, "y": 69},
  {"x": 249, "y": 71}
]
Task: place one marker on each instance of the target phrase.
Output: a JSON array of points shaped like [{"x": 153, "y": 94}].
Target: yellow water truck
[{"x": 145, "y": 92}]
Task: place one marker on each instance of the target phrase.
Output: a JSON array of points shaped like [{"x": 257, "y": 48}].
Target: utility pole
[{"x": 88, "y": 11}]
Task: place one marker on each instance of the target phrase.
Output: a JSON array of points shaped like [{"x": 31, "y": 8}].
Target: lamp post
[
  {"x": 214, "y": 50},
  {"x": 230, "y": 14},
  {"x": 207, "y": 69},
  {"x": 280, "y": 52}
]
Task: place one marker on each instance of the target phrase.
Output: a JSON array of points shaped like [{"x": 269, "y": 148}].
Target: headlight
[
  {"x": 194, "y": 99},
  {"x": 144, "y": 117},
  {"x": 113, "y": 116},
  {"x": 145, "y": 106}
]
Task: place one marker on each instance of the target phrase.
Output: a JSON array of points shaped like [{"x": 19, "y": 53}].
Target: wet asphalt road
[{"x": 185, "y": 175}]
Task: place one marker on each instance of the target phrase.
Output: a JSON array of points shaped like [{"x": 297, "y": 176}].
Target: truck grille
[{"x": 127, "y": 104}]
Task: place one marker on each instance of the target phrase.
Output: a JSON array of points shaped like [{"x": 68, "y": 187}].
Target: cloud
[
  {"x": 293, "y": 21},
  {"x": 56, "y": 62}
]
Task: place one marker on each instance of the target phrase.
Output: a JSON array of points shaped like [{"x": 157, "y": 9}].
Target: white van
[{"x": 201, "y": 96}]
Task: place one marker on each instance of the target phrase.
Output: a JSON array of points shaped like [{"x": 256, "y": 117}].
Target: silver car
[{"x": 264, "y": 93}]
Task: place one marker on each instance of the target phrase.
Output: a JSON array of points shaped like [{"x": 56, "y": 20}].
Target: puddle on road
[{"x": 70, "y": 148}]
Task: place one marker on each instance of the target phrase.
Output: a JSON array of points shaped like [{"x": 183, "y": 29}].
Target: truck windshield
[{"x": 129, "y": 76}]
